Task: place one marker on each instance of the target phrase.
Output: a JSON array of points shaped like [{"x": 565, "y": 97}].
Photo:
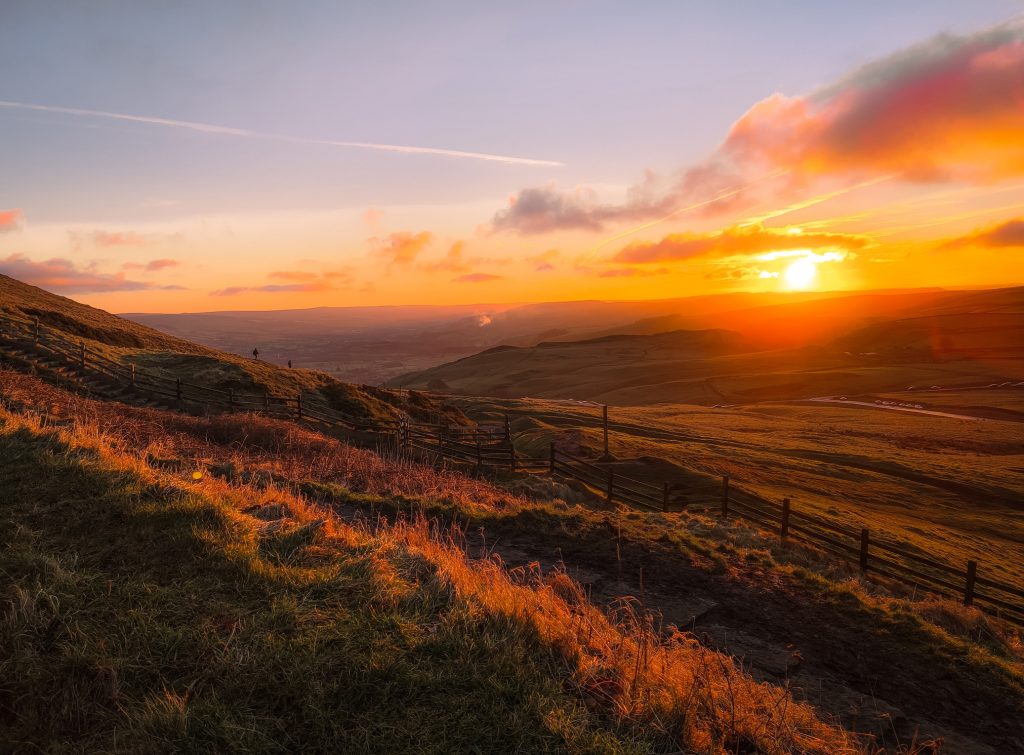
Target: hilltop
[{"x": 130, "y": 343}]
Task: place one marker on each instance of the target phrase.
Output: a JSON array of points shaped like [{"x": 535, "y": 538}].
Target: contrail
[{"x": 208, "y": 128}]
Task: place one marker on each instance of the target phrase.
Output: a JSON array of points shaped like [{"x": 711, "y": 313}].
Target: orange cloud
[
  {"x": 1010, "y": 233},
  {"x": 951, "y": 108},
  {"x": 753, "y": 239},
  {"x": 64, "y": 276},
  {"x": 151, "y": 266},
  {"x": 476, "y": 278},
  {"x": 10, "y": 220},
  {"x": 401, "y": 248},
  {"x": 453, "y": 261}
]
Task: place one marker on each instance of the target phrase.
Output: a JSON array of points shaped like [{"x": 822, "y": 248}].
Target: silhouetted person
[
  {"x": 256, "y": 354},
  {"x": 289, "y": 364}
]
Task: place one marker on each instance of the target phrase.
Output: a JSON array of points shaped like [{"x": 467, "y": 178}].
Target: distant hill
[
  {"x": 792, "y": 349},
  {"x": 155, "y": 352}
]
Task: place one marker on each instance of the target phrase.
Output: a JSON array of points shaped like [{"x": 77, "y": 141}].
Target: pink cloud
[
  {"x": 152, "y": 266},
  {"x": 63, "y": 276},
  {"x": 274, "y": 288},
  {"x": 951, "y": 108},
  {"x": 119, "y": 238},
  {"x": 10, "y": 220}
]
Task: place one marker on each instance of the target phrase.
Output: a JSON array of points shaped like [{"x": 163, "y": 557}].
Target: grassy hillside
[
  {"x": 157, "y": 353},
  {"x": 282, "y": 601},
  {"x": 151, "y": 611}
]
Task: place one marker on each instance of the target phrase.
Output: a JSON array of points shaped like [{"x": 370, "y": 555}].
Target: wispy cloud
[
  {"x": 63, "y": 276},
  {"x": 274, "y": 288},
  {"x": 632, "y": 272},
  {"x": 1008, "y": 234},
  {"x": 209, "y": 128},
  {"x": 152, "y": 266}
]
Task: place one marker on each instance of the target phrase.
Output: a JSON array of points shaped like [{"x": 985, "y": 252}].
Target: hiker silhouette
[
  {"x": 289, "y": 364},
  {"x": 256, "y": 354}
]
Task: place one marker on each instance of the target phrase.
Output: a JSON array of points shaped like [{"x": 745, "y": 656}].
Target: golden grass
[{"x": 618, "y": 663}]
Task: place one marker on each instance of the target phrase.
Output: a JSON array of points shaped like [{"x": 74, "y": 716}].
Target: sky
[{"x": 198, "y": 156}]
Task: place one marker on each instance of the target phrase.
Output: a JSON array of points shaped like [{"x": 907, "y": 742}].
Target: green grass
[{"x": 147, "y": 618}]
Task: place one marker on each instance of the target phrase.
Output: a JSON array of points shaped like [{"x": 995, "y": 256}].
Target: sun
[{"x": 800, "y": 274}]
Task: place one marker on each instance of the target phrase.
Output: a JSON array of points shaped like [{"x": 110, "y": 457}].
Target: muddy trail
[{"x": 835, "y": 656}]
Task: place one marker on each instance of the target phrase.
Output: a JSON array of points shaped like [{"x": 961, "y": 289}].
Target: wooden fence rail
[{"x": 493, "y": 447}]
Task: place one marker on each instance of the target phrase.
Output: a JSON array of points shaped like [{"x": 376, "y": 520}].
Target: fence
[
  {"x": 493, "y": 447},
  {"x": 875, "y": 555}
]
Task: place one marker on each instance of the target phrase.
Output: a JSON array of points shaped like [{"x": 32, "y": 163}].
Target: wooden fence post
[
  {"x": 664, "y": 496},
  {"x": 605, "y": 424},
  {"x": 725, "y": 495},
  {"x": 551, "y": 458},
  {"x": 972, "y": 576},
  {"x": 508, "y": 430},
  {"x": 784, "y": 528},
  {"x": 611, "y": 484},
  {"x": 864, "y": 542}
]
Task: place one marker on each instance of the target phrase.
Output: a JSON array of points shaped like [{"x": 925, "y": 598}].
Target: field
[{"x": 951, "y": 487}]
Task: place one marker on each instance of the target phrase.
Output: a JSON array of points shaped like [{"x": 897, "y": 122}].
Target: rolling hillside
[
  {"x": 130, "y": 343},
  {"x": 949, "y": 338}
]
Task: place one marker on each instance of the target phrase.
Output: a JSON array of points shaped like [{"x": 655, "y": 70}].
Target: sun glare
[{"x": 800, "y": 274}]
